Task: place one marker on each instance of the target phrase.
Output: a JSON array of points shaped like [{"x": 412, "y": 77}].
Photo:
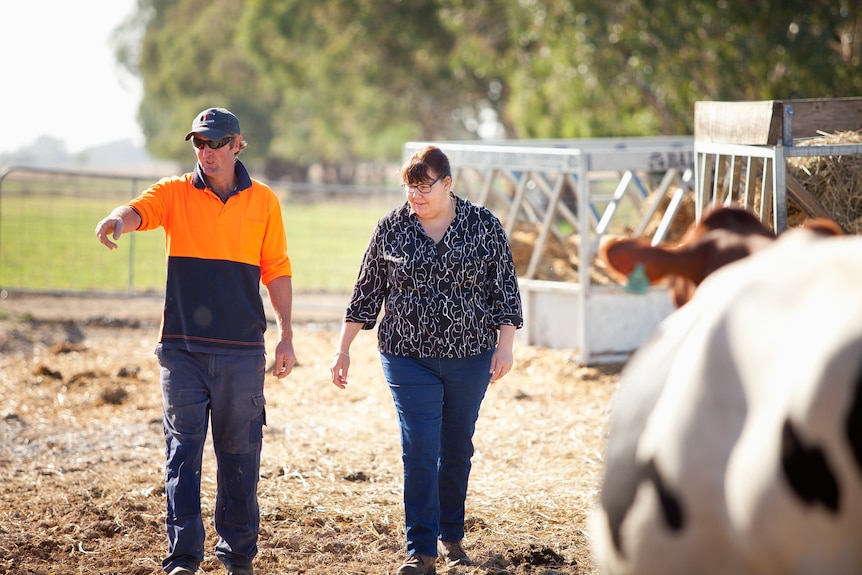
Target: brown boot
[
  {"x": 452, "y": 553},
  {"x": 417, "y": 564}
]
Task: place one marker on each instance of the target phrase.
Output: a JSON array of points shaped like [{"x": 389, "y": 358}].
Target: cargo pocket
[{"x": 256, "y": 429}]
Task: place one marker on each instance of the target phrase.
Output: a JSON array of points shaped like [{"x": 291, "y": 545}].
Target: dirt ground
[{"x": 81, "y": 452}]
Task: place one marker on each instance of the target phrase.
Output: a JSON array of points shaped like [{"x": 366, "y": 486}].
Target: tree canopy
[{"x": 343, "y": 81}]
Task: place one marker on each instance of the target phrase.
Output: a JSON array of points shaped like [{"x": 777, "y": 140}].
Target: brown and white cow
[
  {"x": 735, "y": 440},
  {"x": 722, "y": 236}
]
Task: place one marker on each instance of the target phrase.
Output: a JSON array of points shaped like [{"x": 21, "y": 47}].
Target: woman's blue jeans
[
  {"x": 228, "y": 390},
  {"x": 437, "y": 401}
]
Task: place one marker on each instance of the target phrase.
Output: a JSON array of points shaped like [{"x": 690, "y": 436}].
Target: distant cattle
[
  {"x": 735, "y": 442},
  {"x": 723, "y": 235}
]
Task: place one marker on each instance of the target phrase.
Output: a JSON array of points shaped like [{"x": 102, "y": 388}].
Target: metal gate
[{"x": 576, "y": 187}]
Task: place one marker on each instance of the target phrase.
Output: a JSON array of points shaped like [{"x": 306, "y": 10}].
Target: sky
[{"x": 58, "y": 75}]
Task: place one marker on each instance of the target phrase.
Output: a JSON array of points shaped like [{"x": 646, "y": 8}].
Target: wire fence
[{"x": 48, "y": 244}]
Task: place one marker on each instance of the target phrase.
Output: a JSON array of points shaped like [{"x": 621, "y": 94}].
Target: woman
[{"x": 443, "y": 269}]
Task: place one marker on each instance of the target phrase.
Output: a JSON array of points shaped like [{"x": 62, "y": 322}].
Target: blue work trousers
[
  {"x": 437, "y": 401},
  {"x": 228, "y": 390}
]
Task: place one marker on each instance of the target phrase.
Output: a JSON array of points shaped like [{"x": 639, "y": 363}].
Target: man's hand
[
  {"x": 112, "y": 225},
  {"x": 122, "y": 220},
  {"x": 285, "y": 359}
]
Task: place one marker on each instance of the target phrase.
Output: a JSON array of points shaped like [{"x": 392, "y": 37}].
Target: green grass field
[
  {"x": 47, "y": 243},
  {"x": 47, "y": 240}
]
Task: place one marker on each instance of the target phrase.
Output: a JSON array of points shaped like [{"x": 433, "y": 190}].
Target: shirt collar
[{"x": 242, "y": 178}]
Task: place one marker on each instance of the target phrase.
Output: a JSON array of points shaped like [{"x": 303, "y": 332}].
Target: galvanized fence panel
[{"x": 48, "y": 244}]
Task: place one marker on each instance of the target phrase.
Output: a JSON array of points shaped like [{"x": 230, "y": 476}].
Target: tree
[
  {"x": 339, "y": 82},
  {"x": 187, "y": 62}
]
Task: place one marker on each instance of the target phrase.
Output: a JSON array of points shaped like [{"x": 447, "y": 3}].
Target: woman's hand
[
  {"x": 502, "y": 360},
  {"x": 338, "y": 369},
  {"x": 501, "y": 363}
]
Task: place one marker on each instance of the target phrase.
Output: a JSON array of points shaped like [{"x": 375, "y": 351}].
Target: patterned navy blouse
[{"x": 441, "y": 300}]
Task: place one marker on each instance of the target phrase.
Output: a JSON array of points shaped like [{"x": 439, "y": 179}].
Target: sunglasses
[{"x": 211, "y": 144}]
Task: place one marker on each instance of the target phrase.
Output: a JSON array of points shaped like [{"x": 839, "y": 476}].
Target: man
[{"x": 225, "y": 236}]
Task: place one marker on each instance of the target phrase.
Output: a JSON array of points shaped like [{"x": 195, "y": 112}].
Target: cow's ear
[
  {"x": 622, "y": 255},
  {"x": 823, "y": 227}
]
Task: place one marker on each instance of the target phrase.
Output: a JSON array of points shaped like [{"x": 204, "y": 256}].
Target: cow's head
[{"x": 722, "y": 236}]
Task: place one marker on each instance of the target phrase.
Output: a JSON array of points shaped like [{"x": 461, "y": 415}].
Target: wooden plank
[
  {"x": 746, "y": 123},
  {"x": 829, "y": 115},
  {"x": 807, "y": 203}
]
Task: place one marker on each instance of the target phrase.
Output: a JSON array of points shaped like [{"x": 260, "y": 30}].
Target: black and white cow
[{"x": 735, "y": 442}]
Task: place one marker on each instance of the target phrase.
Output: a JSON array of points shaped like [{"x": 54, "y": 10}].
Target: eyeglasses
[
  {"x": 421, "y": 188},
  {"x": 211, "y": 144}
]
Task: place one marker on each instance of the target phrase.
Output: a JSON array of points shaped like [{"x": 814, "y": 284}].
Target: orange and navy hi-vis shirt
[{"x": 218, "y": 253}]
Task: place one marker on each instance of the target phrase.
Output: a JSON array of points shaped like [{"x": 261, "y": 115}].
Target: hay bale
[
  {"x": 680, "y": 224},
  {"x": 834, "y": 181},
  {"x": 559, "y": 261}
]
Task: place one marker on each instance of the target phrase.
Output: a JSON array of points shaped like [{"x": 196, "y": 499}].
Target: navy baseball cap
[{"x": 214, "y": 124}]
